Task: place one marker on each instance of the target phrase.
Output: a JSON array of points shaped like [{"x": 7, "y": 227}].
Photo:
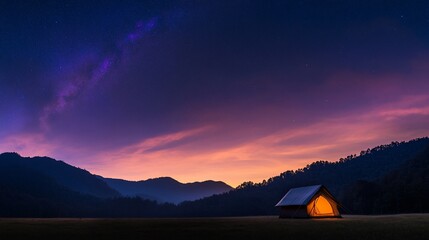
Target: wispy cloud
[
  {"x": 185, "y": 156},
  {"x": 27, "y": 145},
  {"x": 160, "y": 142},
  {"x": 265, "y": 156}
]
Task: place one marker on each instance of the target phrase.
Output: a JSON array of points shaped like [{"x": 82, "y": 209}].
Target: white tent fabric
[{"x": 299, "y": 196}]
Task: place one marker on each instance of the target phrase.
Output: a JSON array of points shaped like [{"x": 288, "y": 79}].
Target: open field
[{"x": 413, "y": 226}]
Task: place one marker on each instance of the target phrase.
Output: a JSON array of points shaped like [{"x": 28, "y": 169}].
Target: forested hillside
[
  {"x": 339, "y": 177},
  {"x": 390, "y": 178}
]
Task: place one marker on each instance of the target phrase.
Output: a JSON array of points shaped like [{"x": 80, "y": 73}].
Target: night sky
[{"x": 224, "y": 90}]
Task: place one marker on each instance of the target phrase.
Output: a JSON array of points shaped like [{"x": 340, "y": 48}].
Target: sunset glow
[{"x": 197, "y": 91}]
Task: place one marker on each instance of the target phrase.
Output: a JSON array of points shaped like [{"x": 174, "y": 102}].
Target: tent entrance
[{"x": 320, "y": 207}]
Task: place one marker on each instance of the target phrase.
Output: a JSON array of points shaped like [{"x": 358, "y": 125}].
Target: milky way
[{"x": 90, "y": 78}]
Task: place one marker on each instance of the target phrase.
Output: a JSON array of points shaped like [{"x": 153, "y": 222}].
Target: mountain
[
  {"x": 45, "y": 187},
  {"x": 391, "y": 178},
  {"x": 73, "y": 178},
  {"x": 341, "y": 176},
  {"x": 403, "y": 190},
  {"x": 65, "y": 175},
  {"x": 166, "y": 189},
  {"x": 28, "y": 193}
]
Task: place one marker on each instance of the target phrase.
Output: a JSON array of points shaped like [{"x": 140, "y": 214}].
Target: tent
[{"x": 308, "y": 202}]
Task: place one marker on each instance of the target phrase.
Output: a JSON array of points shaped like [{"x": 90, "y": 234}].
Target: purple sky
[{"x": 224, "y": 90}]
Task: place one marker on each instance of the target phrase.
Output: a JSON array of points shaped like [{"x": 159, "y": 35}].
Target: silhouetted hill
[
  {"x": 44, "y": 187},
  {"x": 33, "y": 187},
  {"x": 402, "y": 191},
  {"x": 259, "y": 199},
  {"x": 28, "y": 193},
  {"x": 73, "y": 178},
  {"x": 389, "y": 178},
  {"x": 166, "y": 189}
]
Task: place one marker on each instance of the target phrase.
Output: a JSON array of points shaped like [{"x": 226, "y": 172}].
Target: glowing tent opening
[{"x": 320, "y": 207}]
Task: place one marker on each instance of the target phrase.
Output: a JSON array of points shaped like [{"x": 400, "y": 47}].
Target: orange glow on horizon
[{"x": 254, "y": 159}]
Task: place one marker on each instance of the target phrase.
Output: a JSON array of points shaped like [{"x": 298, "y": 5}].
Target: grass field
[{"x": 405, "y": 227}]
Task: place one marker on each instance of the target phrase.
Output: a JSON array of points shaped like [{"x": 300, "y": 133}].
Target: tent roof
[{"x": 299, "y": 196}]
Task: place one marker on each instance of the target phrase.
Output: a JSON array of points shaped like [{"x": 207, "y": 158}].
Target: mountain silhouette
[
  {"x": 403, "y": 190},
  {"x": 63, "y": 174},
  {"x": 391, "y": 178},
  {"x": 341, "y": 176},
  {"x": 54, "y": 187},
  {"x": 167, "y": 189}
]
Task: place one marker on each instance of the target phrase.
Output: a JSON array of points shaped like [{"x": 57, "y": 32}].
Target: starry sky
[{"x": 224, "y": 90}]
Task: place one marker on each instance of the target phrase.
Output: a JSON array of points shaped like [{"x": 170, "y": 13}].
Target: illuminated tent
[{"x": 308, "y": 202}]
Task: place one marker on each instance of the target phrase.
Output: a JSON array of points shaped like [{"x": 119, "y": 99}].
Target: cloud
[
  {"x": 265, "y": 156},
  {"x": 27, "y": 145},
  {"x": 162, "y": 142}
]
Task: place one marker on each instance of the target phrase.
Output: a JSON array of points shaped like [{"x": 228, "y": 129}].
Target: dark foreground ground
[{"x": 415, "y": 226}]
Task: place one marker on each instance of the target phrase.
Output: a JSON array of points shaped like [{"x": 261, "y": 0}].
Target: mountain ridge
[
  {"x": 370, "y": 165},
  {"x": 361, "y": 182},
  {"x": 84, "y": 182},
  {"x": 161, "y": 189},
  {"x": 69, "y": 176}
]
